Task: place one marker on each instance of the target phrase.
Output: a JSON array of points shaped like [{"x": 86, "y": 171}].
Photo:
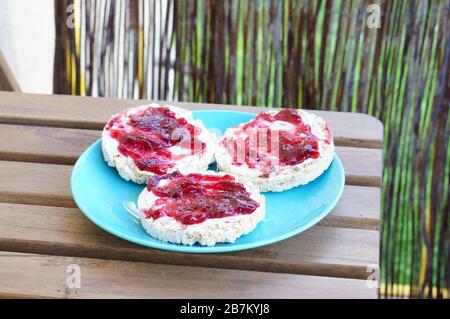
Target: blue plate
[{"x": 100, "y": 193}]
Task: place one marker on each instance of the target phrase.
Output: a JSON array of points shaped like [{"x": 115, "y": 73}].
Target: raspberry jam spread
[
  {"x": 285, "y": 130},
  {"x": 194, "y": 198},
  {"x": 148, "y": 135}
]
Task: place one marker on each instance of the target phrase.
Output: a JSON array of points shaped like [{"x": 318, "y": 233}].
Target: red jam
[
  {"x": 148, "y": 135},
  {"x": 194, "y": 198},
  {"x": 294, "y": 145}
]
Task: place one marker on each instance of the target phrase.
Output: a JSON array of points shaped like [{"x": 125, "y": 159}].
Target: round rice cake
[
  {"x": 204, "y": 208},
  {"x": 277, "y": 150},
  {"x": 154, "y": 139}
]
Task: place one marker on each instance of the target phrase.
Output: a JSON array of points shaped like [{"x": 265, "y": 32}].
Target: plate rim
[{"x": 199, "y": 249}]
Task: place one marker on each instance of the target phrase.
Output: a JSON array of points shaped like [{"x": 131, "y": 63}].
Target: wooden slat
[
  {"x": 362, "y": 166},
  {"x": 44, "y": 144},
  {"x": 45, "y": 184},
  {"x": 33, "y": 183},
  {"x": 350, "y": 129},
  {"x": 64, "y": 146},
  {"x": 326, "y": 251},
  {"x": 7, "y": 80},
  {"x": 359, "y": 207},
  {"x": 38, "y": 276}
]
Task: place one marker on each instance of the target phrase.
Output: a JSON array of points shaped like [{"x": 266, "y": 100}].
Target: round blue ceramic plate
[{"x": 101, "y": 193}]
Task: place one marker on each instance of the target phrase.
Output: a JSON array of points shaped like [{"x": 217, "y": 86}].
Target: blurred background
[{"x": 387, "y": 58}]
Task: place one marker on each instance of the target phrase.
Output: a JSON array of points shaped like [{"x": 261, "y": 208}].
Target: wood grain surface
[
  {"x": 48, "y": 184},
  {"x": 8, "y": 81},
  {"x": 328, "y": 251},
  {"x": 349, "y": 129},
  {"x": 40, "y": 276},
  {"x": 63, "y": 146},
  {"x": 42, "y": 137}
]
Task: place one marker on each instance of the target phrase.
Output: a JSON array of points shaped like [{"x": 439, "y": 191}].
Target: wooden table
[{"x": 42, "y": 231}]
